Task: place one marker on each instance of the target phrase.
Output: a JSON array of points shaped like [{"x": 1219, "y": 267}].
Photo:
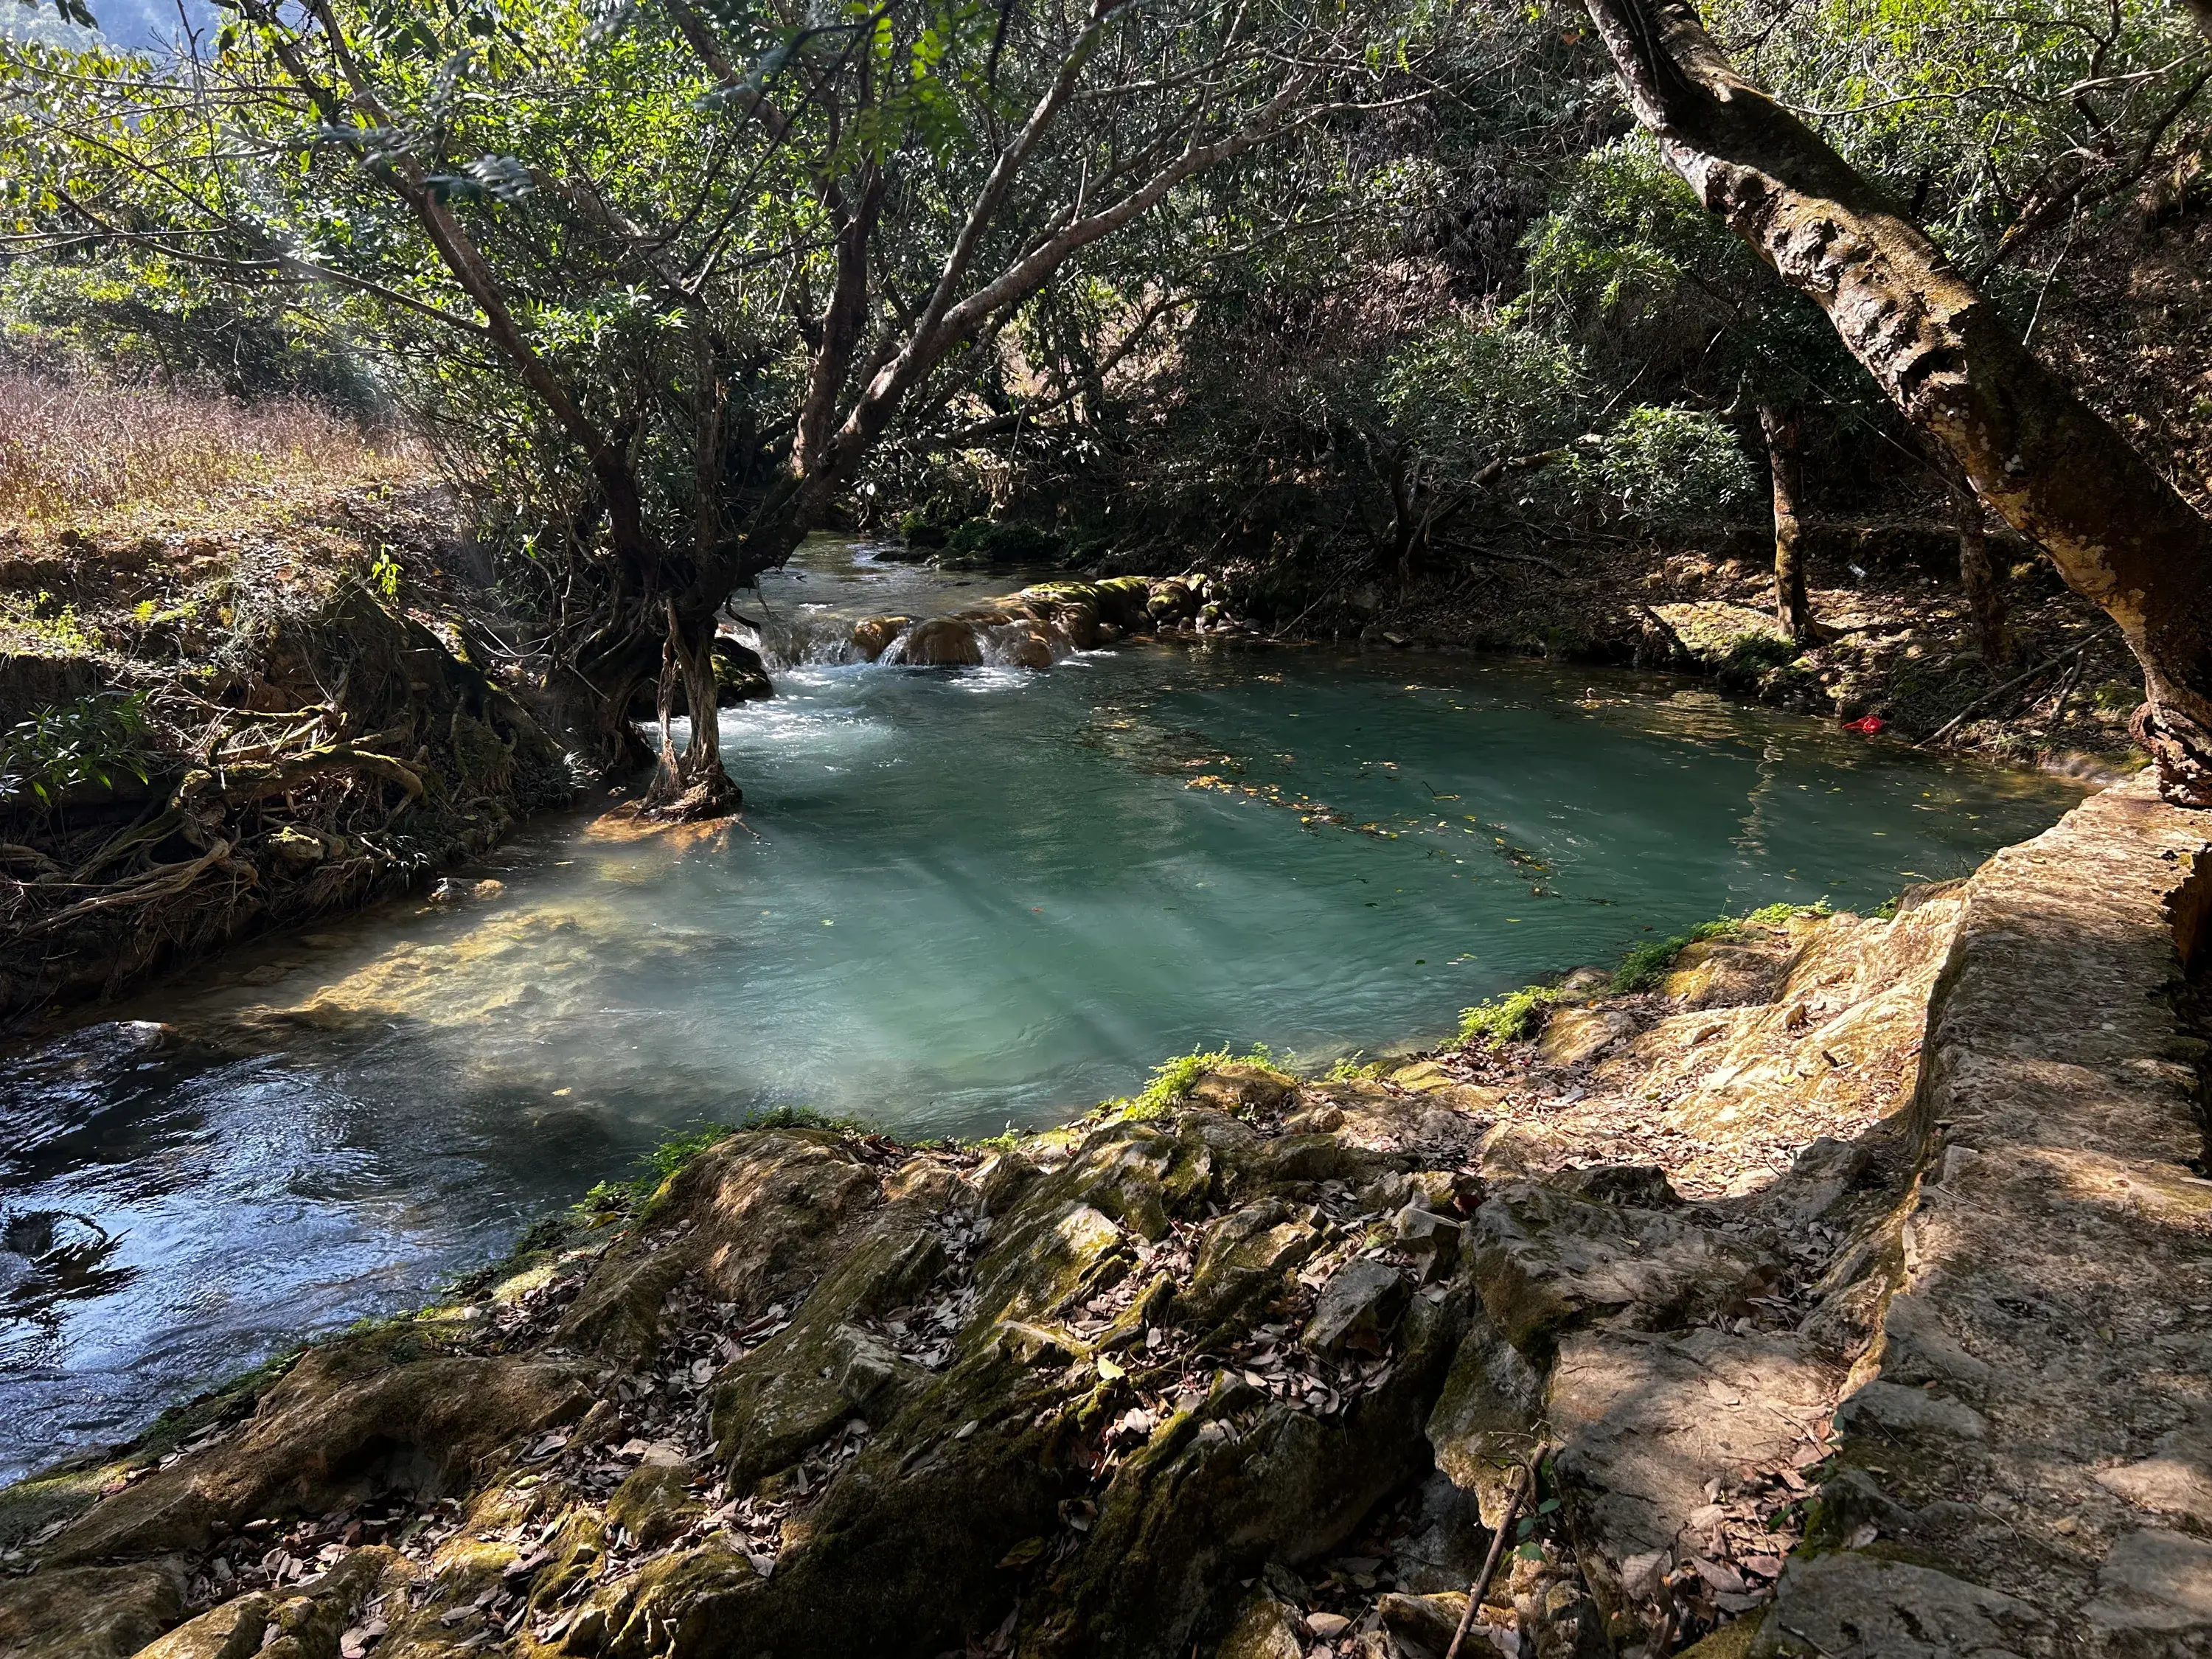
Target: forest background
[{"x": 1387, "y": 314}]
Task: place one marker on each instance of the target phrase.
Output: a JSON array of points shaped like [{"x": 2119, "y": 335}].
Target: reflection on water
[{"x": 960, "y": 899}]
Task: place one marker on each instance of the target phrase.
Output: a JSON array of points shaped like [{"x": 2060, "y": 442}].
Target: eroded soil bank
[{"x": 1845, "y": 1293}]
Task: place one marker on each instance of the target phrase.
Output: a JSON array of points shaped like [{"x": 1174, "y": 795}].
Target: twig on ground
[
  {"x": 1514, "y": 1497},
  {"x": 2065, "y": 691},
  {"x": 1470, "y": 549},
  {"x": 2043, "y": 667}
]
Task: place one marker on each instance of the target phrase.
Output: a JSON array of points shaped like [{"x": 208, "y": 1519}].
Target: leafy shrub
[
  {"x": 1665, "y": 467},
  {"x": 44, "y": 624},
  {"x": 95, "y": 740},
  {"x": 2116, "y": 697},
  {"x": 1645, "y": 965},
  {"x": 1756, "y": 653},
  {"x": 1624, "y": 235},
  {"x": 1172, "y": 1079},
  {"x": 1352, "y": 1069},
  {"x": 919, "y": 527},
  {"x": 1465, "y": 391},
  {"x": 1508, "y": 1018},
  {"x": 981, "y": 541}
]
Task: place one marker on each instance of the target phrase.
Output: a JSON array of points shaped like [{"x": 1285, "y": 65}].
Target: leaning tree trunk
[
  {"x": 2046, "y": 463},
  {"x": 1792, "y": 610},
  {"x": 1985, "y": 600}
]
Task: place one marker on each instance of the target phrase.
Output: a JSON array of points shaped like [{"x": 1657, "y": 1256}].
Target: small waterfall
[
  {"x": 1033, "y": 628},
  {"x": 800, "y": 640}
]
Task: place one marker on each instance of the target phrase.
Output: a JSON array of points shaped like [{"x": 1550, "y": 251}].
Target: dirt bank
[
  {"x": 247, "y": 725},
  {"x": 1248, "y": 1368}
]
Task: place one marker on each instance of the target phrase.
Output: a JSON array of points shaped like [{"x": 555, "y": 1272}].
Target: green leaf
[{"x": 1023, "y": 1553}]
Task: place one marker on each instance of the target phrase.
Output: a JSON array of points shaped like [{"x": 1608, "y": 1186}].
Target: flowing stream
[{"x": 960, "y": 899}]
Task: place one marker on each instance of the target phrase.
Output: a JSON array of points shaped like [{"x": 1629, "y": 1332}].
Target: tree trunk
[
  {"x": 2046, "y": 463},
  {"x": 1792, "y": 611},
  {"x": 591, "y": 690},
  {"x": 1985, "y": 601},
  {"x": 691, "y": 785}
]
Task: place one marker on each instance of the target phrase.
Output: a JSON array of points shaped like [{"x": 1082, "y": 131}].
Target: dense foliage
[{"x": 1358, "y": 293}]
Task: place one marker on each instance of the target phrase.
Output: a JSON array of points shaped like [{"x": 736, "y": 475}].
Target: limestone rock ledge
[{"x": 1252, "y": 1378}]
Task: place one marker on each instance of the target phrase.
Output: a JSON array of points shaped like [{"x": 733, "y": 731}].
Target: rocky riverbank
[
  {"x": 1895, "y": 643},
  {"x": 1249, "y": 1366}
]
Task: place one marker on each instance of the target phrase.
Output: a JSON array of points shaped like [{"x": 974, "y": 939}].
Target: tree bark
[
  {"x": 1985, "y": 600},
  {"x": 1793, "y": 612},
  {"x": 2043, "y": 460},
  {"x": 691, "y": 785}
]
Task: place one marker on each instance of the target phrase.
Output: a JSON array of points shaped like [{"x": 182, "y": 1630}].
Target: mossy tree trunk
[
  {"x": 2043, "y": 460},
  {"x": 1793, "y": 611}
]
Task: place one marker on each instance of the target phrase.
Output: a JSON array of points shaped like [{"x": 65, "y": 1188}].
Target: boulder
[
  {"x": 1639, "y": 1186},
  {"x": 1845, "y": 1605},
  {"x": 87, "y": 1612},
  {"x": 232, "y": 1631},
  {"x": 1249, "y": 1255},
  {"x": 1425, "y": 1625},
  {"x": 939, "y": 642},
  {"x": 1728, "y": 973},
  {"x": 655, "y": 1504},
  {"x": 2153, "y": 1593},
  {"x": 1239, "y": 1086},
  {"x": 1486, "y": 1416},
  {"x": 740, "y": 675},
  {"x": 1430, "y": 1239},
  {"x": 1265, "y": 1630},
  {"x": 1645, "y": 1421},
  {"x": 1572, "y": 1035},
  {"x": 2175, "y": 1479},
  {"x": 1544, "y": 1260},
  {"x": 872, "y": 635}
]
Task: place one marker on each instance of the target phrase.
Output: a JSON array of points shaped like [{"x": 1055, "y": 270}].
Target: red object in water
[{"x": 1867, "y": 726}]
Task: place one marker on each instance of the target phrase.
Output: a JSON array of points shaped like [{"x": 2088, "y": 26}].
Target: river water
[{"x": 959, "y": 900}]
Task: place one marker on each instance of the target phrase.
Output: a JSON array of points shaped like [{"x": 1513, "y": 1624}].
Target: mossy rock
[
  {"x": 655, "y": 1503},
  {"x": 1731, "y": 1641}
]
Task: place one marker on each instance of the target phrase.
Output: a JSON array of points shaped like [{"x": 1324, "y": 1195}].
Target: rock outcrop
[
  {"x": 1252, "y": 1378},
  {"x": 1037, "y": 626}
]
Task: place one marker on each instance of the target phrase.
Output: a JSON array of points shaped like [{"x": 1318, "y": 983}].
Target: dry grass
[{"x": 73, "y": 451}]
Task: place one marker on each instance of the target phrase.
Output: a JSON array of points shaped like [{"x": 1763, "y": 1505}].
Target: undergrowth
[
  {"x": 677, "y": 1149},
  {"x": 1508, "y": 1018},
  {"x": 1171, "y": 1081},
  {"x": 72, "y": 449},
  {"x": 1518, "y": 1014}
]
